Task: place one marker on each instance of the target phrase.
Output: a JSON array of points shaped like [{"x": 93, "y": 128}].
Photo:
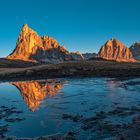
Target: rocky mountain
[
  {"x": 88, "y": 56},
  {"x": 135, "y": 49},
  {"x": 34, "y": 92},
  {"x": 113, "y": 49},
  {"x": 77, "y": 56},
  {"x": 32, "y": 47}
]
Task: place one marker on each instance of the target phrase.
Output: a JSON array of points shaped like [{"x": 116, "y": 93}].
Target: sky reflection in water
[{"x": 44, "y": 102}]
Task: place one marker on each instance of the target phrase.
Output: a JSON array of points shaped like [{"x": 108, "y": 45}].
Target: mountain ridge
[
  {"x": 114, "y": 49},
  {"x": 32, "y": 47}
]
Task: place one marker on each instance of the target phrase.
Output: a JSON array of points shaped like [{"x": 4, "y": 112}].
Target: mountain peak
[
  {"x": 113, "y": 40},
  {"x": 114, "y": 49},
  {"x": 32, "y": 47},
  {"x": 27, "y": 30},
  {"x": 25, "y": 25}
]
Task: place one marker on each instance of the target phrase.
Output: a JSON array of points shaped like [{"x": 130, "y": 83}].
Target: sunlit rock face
[
  {"x": 135, "y": 49},
  {"x": 113, "y": 49},
  {"x": 33, "y": 92},
  {"x": 32, "y": 47}
]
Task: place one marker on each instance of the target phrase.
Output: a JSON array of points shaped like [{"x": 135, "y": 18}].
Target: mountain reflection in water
[
  {"x": 91, "y": 108},
  {"x": 34, "y": 92}
]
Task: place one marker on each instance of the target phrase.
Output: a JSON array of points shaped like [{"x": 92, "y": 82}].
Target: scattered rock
[
  {"x": 5, "y": 113},
  {"x": 75, "y": 118},
  {"x": 14, "y": 119},
  {"x": 3, "y": 129}
]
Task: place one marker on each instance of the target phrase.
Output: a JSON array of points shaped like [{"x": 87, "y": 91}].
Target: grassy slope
[{"x": 81, "y": 68}]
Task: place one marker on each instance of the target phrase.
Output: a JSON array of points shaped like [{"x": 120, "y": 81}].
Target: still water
[{"x": 43, "y": 103}]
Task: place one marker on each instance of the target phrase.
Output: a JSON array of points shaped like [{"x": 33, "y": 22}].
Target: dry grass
[{"x": 79, "y": 68}]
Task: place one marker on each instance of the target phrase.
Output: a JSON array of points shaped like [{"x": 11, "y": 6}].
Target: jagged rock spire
[
  {"x": 32, "y": 47},
  {"x": 113, "y": 49}
]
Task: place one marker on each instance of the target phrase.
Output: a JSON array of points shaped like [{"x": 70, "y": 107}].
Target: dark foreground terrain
[{"x": 14, "y": 70}]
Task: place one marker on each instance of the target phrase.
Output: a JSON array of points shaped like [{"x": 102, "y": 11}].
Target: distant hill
[{"x": 89, "y": 56}]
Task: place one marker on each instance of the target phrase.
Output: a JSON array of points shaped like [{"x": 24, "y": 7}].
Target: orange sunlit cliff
[
  {"x": 32, "y": 47},
  {"x": 113, "y": 49}
]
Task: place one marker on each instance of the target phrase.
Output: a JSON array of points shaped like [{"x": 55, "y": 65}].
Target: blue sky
[{"x": 79, "y": 25}]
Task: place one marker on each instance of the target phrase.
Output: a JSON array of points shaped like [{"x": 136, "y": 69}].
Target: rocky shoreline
[
  {"x": 95, "y": 68},
  {"x": 97, "y": 124}
]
